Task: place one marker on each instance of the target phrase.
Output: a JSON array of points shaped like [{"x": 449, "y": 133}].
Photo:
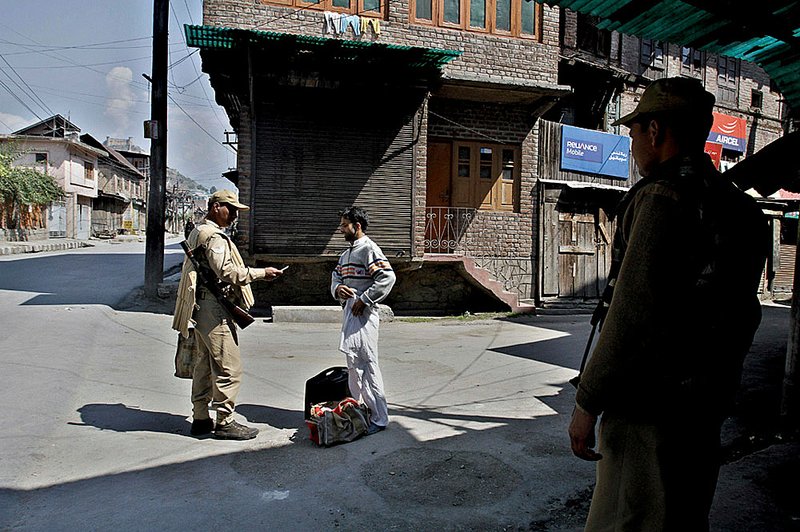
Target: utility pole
[
  {"x": 154, "y": 248},
  {"x": 790, "y": 401}
]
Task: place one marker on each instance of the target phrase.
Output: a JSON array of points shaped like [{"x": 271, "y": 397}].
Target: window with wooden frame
[
  {"x": 756, "y": 99},
  {"x": 369, "y": 8},
  {"x": 590, "y": 39},
  {"x": 692, "y": 62},
  {"x": 88, "y": 171},
  {"x": 485, "y": 176},
  {"x": 40, "y": 161},
  {"x": 651, "y": 57},
  {"x": 515, "y": 18},
  {"x": 727, "y": 79},
  {"x": 651, "y": 53}
]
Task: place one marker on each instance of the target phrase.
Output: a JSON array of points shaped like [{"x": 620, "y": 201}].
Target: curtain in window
[
  {"x": 452, "y": 11},
  {"x": 528, "y": 25},
  {"x": 503, "y": 15},
  {"x": 477, "y": 13}
]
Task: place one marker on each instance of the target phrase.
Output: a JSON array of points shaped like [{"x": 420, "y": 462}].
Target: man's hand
[
  {"x": 358, "y": 307},
  {"x": 581, "y": 435},
  {"x": 344, "y": 292},
  {"x": 272, "y": 273}
]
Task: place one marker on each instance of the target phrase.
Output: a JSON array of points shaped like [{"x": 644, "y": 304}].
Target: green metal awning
[
  {"x": 766, "y": 33},
  {"x": 342, "y": 50}
]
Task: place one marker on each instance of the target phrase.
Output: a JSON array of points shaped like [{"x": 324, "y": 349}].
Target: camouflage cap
[
  {"x": 226, "y": 196},
  {"x": 682, "y": 96}
]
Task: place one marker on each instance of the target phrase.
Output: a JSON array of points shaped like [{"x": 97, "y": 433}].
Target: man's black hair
[{"x": 356, "y": 215}]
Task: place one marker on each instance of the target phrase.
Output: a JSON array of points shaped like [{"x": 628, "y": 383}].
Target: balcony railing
[{"x": 446, "y": 230}]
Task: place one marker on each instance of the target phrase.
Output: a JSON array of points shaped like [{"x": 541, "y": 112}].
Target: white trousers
[{"x": 359, "y": 342}]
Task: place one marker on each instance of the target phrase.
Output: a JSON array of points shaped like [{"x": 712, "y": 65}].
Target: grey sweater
[{"x": 364, "y": 268}]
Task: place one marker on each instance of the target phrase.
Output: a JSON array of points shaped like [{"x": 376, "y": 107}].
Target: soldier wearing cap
[
  {"x": 687, "y": 260},
  {"x": 218, "y": 370}
]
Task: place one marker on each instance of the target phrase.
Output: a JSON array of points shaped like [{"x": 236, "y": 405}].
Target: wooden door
[
  {"x": 438, "y": 178},
  {"x": 576, "y": 250},
  {"x": 577, "y": 260}
]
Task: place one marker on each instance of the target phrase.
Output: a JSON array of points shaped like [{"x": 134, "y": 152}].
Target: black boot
[
  {"x": 202, "y": 426},
  {"x": 235, "y": 431}
]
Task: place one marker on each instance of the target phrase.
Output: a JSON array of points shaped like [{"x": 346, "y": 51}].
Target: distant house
[
  {"x": 53, "y": 146},
  {"x": 478, "y": 135},
  {"x": 136, "y": 155},
  {"x": 140, "y": 159},
  {"x": 120, "y": 206}
]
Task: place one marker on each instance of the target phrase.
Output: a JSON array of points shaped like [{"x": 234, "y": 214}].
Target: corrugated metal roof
[
  {"x": 766, "y": 33},
  {"x": 229, "y": 38}
]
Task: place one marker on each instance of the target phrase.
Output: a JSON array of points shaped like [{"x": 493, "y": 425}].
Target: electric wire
[
  {"x": 198, "y": 124},
  {"x": 199, "y": 75},
  {"x": 14, "y": 95},
  {"x": 30, "y": 93}
]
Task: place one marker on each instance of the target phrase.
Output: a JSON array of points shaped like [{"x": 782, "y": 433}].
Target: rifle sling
[{"x": 214, "y": 287}]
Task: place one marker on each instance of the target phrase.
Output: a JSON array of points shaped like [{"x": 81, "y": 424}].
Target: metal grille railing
[{"x": 446, "y": 229}]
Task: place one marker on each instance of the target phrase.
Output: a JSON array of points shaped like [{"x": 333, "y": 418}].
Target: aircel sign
[
  {"x": 728, "y": 131},
  {"x": 594, "y": 152}
]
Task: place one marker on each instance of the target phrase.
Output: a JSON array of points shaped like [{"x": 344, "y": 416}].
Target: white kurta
[{"x": 359, "y": 342}]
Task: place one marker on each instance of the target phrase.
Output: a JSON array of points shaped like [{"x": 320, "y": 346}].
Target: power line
[
  {"x": 198, "y": 124},
  {"x": 78, "y": 65},
  {"x": 35, "y": 98},
  {"x": 85, "y": 47},
  {"x": 67, "y": 60},
  {"x": 199, "y": 75},
  {"x": 25, "y": 105}
]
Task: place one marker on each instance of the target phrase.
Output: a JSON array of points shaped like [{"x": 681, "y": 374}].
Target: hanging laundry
[
  {"x": 376, "y": 26},
  {"x": 332, "y": 23},
  {"x": 351, "y": 20},
  {"x": 367, "y": 22}
]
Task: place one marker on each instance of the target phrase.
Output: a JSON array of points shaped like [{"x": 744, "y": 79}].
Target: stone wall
[
  {"x": 428, "y": 287},
  {"x": 506, "y": 59},
  {"x": 763, "y": 125}
]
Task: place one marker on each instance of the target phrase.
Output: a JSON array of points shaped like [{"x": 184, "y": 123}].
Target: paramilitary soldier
[{"x": 218, "y": 370}]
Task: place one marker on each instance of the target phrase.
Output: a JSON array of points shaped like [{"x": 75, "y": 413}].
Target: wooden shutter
[{"x": 313, "y": 161}]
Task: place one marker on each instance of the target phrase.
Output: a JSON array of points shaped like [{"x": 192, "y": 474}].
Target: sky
[{"x": 84, "y": 60}]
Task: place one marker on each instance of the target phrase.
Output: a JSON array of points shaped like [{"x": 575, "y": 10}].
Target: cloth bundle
[
  {"x": 186, "y": 355},
  {"x": 335, "y": 422}
]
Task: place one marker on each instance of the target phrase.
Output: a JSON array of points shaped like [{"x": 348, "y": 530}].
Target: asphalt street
[{"x": 96, "y": 427}]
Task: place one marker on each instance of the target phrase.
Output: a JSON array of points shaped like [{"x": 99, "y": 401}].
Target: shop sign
[
  {"x": 714, "y": 151},
  {"x": 595, "y": 152},
  {"x": 729, "y": 131}
]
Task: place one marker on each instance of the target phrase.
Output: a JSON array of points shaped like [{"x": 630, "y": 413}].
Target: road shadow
[
  {"x": 278, "y": 418},
  {"x": 123, "y": 418},
  {"x": 78, "y": 278}
]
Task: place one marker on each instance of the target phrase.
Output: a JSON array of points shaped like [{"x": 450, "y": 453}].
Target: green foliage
[
  {"x": 25, "y": 186},
  {"x": 20, "y": 187}
]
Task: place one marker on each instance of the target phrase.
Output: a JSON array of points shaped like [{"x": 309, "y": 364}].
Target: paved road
[{"x": 96, "y": 433}]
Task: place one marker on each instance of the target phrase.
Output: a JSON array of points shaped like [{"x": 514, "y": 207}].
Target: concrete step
[
  {"x": 483, "y": 278},
  {"x": 319, "y": 314},
  {"x": 564, "y": 306}
]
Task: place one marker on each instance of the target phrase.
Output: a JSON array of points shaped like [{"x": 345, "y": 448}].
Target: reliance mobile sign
[
  {"x": 595, "y": 152},
  {"x": 728, "y": 131}
]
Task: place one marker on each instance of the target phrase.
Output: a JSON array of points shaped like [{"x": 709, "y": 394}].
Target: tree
[{"x": 20, "y": 186}]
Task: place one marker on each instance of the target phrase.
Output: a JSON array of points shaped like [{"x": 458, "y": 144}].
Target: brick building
[
  {"x": 427, "y": 119},
  {"x": 608, "y": 72},
  {"x": 446, "y": 123}
]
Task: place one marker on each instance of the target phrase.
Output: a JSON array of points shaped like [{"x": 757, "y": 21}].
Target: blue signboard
[{"x": 595, "y": 152}]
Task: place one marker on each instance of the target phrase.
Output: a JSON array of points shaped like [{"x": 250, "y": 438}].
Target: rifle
[
  {"x": 240, "y": 316},
  {"x": 598, "y": 316}
]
